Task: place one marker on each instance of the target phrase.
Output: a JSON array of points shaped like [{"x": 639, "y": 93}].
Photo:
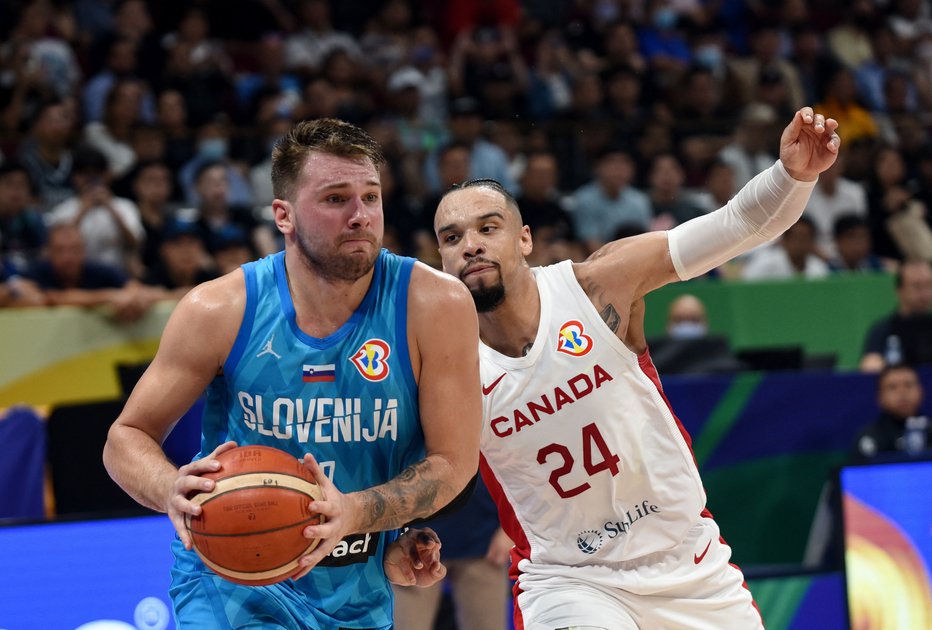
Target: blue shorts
[{"x": 202, "y": 599}]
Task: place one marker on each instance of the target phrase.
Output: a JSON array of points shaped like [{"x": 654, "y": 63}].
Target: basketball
[{"x": 250, "y": 527}]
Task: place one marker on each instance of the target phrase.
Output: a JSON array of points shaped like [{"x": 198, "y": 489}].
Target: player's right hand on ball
[
  {"x": 337, "y": 509},
  {"x": 187, "y": 482}
]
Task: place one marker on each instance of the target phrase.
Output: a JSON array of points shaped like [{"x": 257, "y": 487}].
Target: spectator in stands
[
  {"x": 853, "y": 247},
  {"x": 17, "y": 291},
  {"x": 230, "y": 249},
  {"x": 22, "y": 232},
  {"x": 351, "y": 90},
  {"x": 891, "y": 200},
  {"x": 183, "y": 259},
  {"x": 46, "y": 152},
  {"x": 486, "y": 159},
  {"x": 669, "y": 202},
  {"x": 120, "y": 63},
  {"x": 387, "y": 33},
  {"x": 841, "y": 98},
  {"x": 68, "y": 278},
  {"x": 48, "y": 50},
  {"x": 871, "y": 74},
  {"x": 152, "y": 191},
  {"x": 133, "y": 22},
  {"x": 543, "y": 210},
  {"x": 197, "y": 66},
  {"x": 110, "y": 226},
  {"x": 215, "y": 212},
  {"x": 260, "y": 175},
  {"x": 850, "y": 40},
  {"x": 688, "y": 347},
  {"x": 550, "y": 76},
  {"x": 663, "y": 44},
  {"x": 793, "y": 256},
  {"x": 901, "y": 430},
  {"x": 765, "y": 40},
  {"x": 884, "y": 344},
  {"x": 609, "y": 201},
  {"x": 813, "y": 61},
  {"x": 718, "y": 187},
  {"x": 686, "y": 318},
  {"x": 270, "y": 91},
  {"x": 172, "y": 119},
  {"x": 213, "y": 146},
  {"x": 112, "y": 135},
  {"x": 425, "y": 54},
  {"x": 834, "y": 195},
  {"x": 749, "y": 153},
  {"x": 485, "y": 64},
  {"x": 704, "y": 123},
  {"x": 418, "y": 136},
  {"x": 315, "y": 38},
  {"x": 624, "y": 102}
]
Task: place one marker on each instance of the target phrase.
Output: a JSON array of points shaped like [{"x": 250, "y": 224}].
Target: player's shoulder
[
  {"x": 431, "y": 287},
  {"x": 217, "y": 300}
]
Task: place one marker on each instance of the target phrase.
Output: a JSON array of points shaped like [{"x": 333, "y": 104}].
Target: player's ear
[
  {"x": 283, "y": 212},
  {"x": 526, "y": 242}
]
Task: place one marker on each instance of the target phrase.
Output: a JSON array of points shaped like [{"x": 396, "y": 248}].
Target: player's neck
[
  {"x": 512, "y": 327},
  {"x": 321, "y": 304}
]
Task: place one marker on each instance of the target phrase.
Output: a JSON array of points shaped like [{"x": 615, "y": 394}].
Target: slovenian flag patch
[{"x": 319, "y": 373}]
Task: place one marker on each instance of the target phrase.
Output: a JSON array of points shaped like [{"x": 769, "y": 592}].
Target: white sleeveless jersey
[{"x": 581, "y": 450}]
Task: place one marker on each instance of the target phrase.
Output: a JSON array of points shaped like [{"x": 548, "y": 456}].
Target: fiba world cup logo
[
  {"x": 371, "y": 360},
  {"x": 589, "y": 541}
]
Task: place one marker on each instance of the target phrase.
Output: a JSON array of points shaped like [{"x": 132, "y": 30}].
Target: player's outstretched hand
[
  {"x": 337, "y": 509},
  {"x": 187, "y": 482},
  {"x": 809, "y": 144},
  {"x": 414, "y": 559}
]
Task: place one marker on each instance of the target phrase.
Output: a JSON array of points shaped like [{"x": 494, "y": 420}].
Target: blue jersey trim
[
  {"x": 249, "y": 316},
  {"x": 401, "y": 319},
  {"x": 291, "y": 316}
]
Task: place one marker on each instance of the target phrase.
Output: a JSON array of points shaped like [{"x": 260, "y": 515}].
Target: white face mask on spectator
[
  {"x": 213, "y": 148},
  {"x": 687, "y": 330}
]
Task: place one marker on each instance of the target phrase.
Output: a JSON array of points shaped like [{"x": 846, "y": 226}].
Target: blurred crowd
[{"x": 135, "y": 135}]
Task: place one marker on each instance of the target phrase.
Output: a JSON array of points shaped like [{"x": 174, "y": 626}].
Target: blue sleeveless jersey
[{"x": 350, "y": 399}]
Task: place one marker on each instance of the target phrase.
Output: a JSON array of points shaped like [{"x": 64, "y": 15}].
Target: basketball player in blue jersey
[
  {"x": 338, "y": 352},
  {"x": 592, "y": 473}
]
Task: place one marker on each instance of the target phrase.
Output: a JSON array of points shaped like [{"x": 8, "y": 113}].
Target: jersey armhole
[
  {"x": 245, "y": 327},
  {"x": 401, "y": 321}
]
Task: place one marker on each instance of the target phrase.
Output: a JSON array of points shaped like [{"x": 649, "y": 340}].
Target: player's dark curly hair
[{"x": 488, "y": 182}]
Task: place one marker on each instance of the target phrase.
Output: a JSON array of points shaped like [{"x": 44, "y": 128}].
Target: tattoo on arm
[
  {"x": 414, "y": 493},
  {"x": 610, "y": 317}
]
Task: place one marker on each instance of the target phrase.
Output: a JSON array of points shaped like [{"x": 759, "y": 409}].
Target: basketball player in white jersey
[{"x": 592, "y": 472}]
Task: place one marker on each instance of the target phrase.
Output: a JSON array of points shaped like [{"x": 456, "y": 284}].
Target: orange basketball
[{"x": 249, "y": 528}]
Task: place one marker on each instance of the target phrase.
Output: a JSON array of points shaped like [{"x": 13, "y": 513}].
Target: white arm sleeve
[{"x": 762, "y": 210}]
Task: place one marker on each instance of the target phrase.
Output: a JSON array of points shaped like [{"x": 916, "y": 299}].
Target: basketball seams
[
  {"x": 257, "y": 578},
  {"x": 245, "y": 481}
]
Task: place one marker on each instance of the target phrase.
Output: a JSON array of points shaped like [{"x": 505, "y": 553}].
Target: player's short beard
[
  {"x": 488, "y": 299},
  {"x": 335, "y": 267}
]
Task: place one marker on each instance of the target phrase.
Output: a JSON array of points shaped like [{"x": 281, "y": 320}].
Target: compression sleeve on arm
[{"x": 762, "y": 210}]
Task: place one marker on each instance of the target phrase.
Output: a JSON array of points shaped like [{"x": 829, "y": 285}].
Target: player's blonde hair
[{"x": 324, "y": 135}]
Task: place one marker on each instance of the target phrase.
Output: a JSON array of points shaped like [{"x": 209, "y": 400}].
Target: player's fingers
[
  {"x": 426, "y": 535},
  {"x": 806, "y": 114},
  {"x": 319, "y": 476},
  {"x": 178, "y": 521},
  {"x": 222, "y": 448},
  {"x": 831, "y": 124},
  {"x": 818, "y": 123}
]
